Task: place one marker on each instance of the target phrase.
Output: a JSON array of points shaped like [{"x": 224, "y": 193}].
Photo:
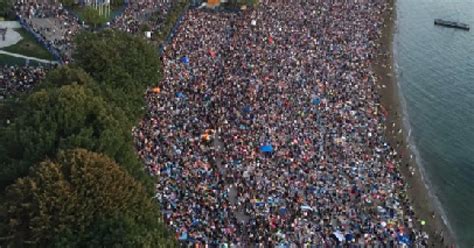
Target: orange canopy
[
  {"x": 156, "y": 90},
  {"x": 213, "y": 2},
  {"x": 205, "y": 137}
]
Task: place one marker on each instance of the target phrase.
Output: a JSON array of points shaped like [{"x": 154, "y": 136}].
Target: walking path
[
  {"x": 10, "y": 24},
  {"x": 28, "y": 58},
  {"x": 11, "y": 37}
]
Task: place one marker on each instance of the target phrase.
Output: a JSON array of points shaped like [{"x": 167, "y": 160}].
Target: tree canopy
[
  {"x": 169, "y": 21},
  {"x": 64, "y": 118},
  {"x": 92, "y": 16},
  {"x": 123, "y": 66},
  {"x": 239, "y": 3},
  {"x": 84, "y": 112},
  {"x": 82, "y": 199},
  {"x": 6, "y": 8},
  {"x": 66, "y": 75}
]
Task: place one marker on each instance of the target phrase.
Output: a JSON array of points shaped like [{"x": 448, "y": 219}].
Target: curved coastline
[
  {"x": 426, "y": 206},
  {"x": 417, "y": 159}
]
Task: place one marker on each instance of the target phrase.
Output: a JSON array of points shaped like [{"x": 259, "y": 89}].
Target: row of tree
[
  {"x": 69, "y": 174},
  {"x": 72, "y": 3},
  {"x": 240, "y": 3},
  {"x": 169, "y": 21},
  {"x": 6, "y": 9}
]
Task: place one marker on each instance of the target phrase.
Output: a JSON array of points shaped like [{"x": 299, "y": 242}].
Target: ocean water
[{"x": 436, "y": 79}]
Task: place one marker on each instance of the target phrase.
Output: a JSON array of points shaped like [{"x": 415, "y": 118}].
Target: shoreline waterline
[
  {"x": 426, "y": 206},
  {"x": 418, "y": 159}
]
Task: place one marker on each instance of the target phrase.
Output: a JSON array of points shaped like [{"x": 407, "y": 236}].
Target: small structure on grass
[
  {"x": 3, "y": 33},
  {"x": 8, "y": 33}
]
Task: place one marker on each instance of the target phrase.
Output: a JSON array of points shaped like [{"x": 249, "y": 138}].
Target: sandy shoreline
[{"x": 418, "y": 194}]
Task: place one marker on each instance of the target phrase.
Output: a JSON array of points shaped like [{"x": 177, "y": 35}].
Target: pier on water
[{"x": 451, "y": 24}]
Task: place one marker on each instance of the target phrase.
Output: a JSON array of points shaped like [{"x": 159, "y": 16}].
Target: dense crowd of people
[
  {"x": 267, "y": 132},
  {"x": 19, "y": 79},
  {"x": 143, "y": 13},
  {"x": 54, "y": 25},
  {"x": 37, "y": 9}
]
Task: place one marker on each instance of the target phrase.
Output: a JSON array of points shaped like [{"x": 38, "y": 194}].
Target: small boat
[{"x": 451, "y": 24}]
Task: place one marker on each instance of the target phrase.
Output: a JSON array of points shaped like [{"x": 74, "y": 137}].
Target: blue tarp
[
  {"x": 283, "y": 245},
  {"x": 339, "y": 236},
  {"x": 247, "y": 109},
  {"x": 184, "y": 236},
  {"x": 195, "y": 222},
  {"x": 349, "y": 237},
  {"x": 185, "y": 60},
  {"x": 316, "y": 101},
  {"x": 266, "y": 148},
  {"x": 306, "y": 208},
  {"x": 404, "y": 239},
  {"x": 272, "y": 201}
]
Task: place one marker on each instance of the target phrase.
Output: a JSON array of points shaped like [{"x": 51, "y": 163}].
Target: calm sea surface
[{"x": 436, "y": 78}]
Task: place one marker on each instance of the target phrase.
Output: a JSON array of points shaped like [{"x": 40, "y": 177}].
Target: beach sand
[{"x": 418, "y": 194}]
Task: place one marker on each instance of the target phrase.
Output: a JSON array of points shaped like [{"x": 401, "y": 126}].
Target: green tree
[
  {"x": 6, "y": 7},
  {"x": 83, "y": 199},
  {"x": 64, "y": 118},
  {"x": 66, "y": 75},
  {"x": 116, "y": 3},
  {"x": 8, "y": 110},
  {"x": 121, "y": 64},
  {"x": 239, "y": 3},
  {"x": 170, "y": 20},
  {"x": 92, "y": 17},
  {"x": 68, "y": 3},
  {"x": 252, "y": 2}
]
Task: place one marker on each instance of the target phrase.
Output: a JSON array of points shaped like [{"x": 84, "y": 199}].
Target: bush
[
  {"x": 82, "y": 199},
  {"x": 240, "y": 3},
  {"x": 6, "y": 8},
  {"x": 92, "y": 17},
  {"x": 64, "y": 118},
  {"x": 123, "y": 65}
]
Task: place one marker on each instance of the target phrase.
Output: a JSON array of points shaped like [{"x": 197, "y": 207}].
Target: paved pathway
[
  {"x": 29, "y": 58},
  {"x": 9, "y": 24},
  {"x": 11, "y": 37}
]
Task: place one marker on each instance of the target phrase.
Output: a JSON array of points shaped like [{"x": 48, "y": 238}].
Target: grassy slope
[
  {"x": 29, "y": 47},
  {"x": 10, "y": 60}
]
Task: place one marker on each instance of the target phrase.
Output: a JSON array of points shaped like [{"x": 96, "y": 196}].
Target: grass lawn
[
  {"x": 6, "y": 113},
  {"x": 29, "y": 47},
  {"x": 10, "y": 60}
]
